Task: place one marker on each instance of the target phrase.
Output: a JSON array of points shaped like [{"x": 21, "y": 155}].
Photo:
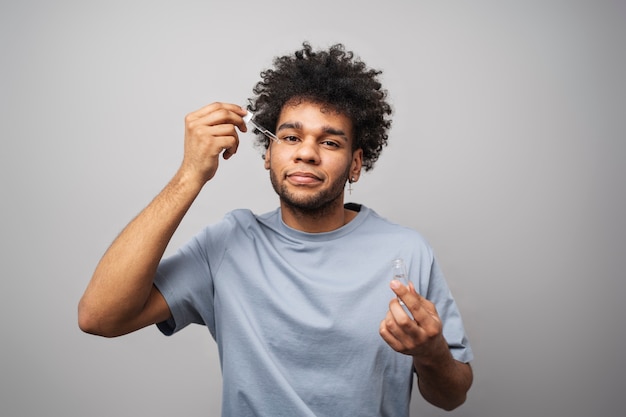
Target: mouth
[{"x": 303, "y": 178}]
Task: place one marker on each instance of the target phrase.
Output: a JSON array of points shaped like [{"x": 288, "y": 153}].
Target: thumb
[{"x": 398, "y": 287}]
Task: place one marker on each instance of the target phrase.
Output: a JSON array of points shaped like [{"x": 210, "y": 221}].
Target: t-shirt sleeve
[
  {"x": 453, "y": 329},
  {"x": 185, "y": 280}
]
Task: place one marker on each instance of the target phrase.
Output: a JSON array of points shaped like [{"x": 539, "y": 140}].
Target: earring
[{"x": 350, "y": 181}]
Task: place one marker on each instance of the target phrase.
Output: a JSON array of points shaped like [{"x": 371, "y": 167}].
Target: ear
[
  {"x": 357, "y": 164},
  {"x": 267, "y": 157}
]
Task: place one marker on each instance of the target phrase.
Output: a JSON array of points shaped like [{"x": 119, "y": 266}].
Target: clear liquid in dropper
[{"x": 249, "y": 119}]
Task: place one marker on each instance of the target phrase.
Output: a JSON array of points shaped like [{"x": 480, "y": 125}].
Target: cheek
[{"x": 277, "y": 159}]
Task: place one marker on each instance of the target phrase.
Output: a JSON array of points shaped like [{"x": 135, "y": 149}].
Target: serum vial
[
  {"x": 399, "y": 272},
  {"x": 398, "y": 269}
]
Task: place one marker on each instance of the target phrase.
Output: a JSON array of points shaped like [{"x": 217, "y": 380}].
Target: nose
[{"x": 307, "y": 151}]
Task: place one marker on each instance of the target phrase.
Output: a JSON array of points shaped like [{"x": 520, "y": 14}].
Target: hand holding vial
[{"x": 399, "y": 272}]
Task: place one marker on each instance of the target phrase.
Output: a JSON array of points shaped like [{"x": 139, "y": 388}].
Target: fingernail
[{"x": 395, "y": 284}]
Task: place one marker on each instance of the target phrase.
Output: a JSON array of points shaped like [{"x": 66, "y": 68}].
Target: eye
[
  {"x": 330, "y": 144},
  {"x": 290, "y": 139}
]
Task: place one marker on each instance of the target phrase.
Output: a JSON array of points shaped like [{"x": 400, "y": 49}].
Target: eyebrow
[{"x": 326, "y": 129}]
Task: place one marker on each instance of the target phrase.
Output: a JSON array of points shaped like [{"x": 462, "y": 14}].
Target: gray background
[{"x": 506, "y": 153}]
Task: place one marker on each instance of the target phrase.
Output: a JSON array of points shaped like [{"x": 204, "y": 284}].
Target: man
[{"x": 294, "y": 298}]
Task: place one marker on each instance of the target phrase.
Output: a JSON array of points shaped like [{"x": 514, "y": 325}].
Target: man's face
[{"x": 313, "y": 160}]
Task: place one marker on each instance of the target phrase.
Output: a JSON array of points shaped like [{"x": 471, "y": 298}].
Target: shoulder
[
  {"x": 387, "y": 228},
  {"x": 239, "y": 221},
  {"x": 247, "y": 219}
]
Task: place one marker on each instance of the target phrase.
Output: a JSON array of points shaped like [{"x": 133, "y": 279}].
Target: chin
[{"x": 310, "y": 202}]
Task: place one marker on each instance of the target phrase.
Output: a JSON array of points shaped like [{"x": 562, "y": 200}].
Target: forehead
[{"x": 311, "y": 115}]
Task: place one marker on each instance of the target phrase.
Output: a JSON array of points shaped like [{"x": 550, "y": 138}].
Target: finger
[
  {"x": 217, "y": 117},
  {"x": 400, "y": 324},
  {"x": 215, "y": 137},
  {"x": 425, "y": 321},
  {"x": 421, "y": 309},
  {"x": 202, "y": 149},
  {"x": 220, "y": 130},
  {"x": 389, "y": 337},
  {"x": 397, "y": 336},
  {"x": 210, "y": 108},
  {"x": 402, "y": 291},
  {"x": 229, "y": 140},
  {"x": 217, "y": 114},
  {"x": 424, "y": 312},
  {"x": 229, "y": 146}
]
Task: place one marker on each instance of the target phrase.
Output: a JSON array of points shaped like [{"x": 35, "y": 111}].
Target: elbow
[
  {"x": 451, "y": 394},
  {"x": 459, "y": 395},
  {"x": 447, "y": 402},
  {"x": 453, "y": 404},
  {"x": 89, "y": 321},
  {"x": 86, "y": 320}
]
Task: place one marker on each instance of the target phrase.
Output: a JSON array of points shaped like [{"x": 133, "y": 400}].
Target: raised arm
[{"x": 120, "y": 297}]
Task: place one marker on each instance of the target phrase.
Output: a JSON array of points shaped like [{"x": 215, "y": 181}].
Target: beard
[{"x": 314, "y": 204}]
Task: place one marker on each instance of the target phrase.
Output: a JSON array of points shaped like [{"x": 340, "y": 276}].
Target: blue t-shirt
[{"x": 296, "y": 315}]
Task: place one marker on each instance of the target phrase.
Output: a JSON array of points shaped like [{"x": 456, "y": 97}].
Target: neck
[{"x": 323, "y": 219}]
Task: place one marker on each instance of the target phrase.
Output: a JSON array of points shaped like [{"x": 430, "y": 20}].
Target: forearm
[
  {"x": 442, "y": 380},
  {"x": 121, "y": 284},
  {"x": 120, "y": 296}
]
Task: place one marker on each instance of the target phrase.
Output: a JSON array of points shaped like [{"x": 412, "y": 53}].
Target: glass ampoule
[{"x": 399, "y": 272}]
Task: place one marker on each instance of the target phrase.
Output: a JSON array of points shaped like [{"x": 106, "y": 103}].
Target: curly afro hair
[{"x": 333, "y": 78}]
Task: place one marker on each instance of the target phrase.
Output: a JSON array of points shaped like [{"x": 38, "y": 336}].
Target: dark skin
[
  {"x": 310, "y": 168},
  {"x": 121, "y": 296},
  {"x": 442, "y": 380}
]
